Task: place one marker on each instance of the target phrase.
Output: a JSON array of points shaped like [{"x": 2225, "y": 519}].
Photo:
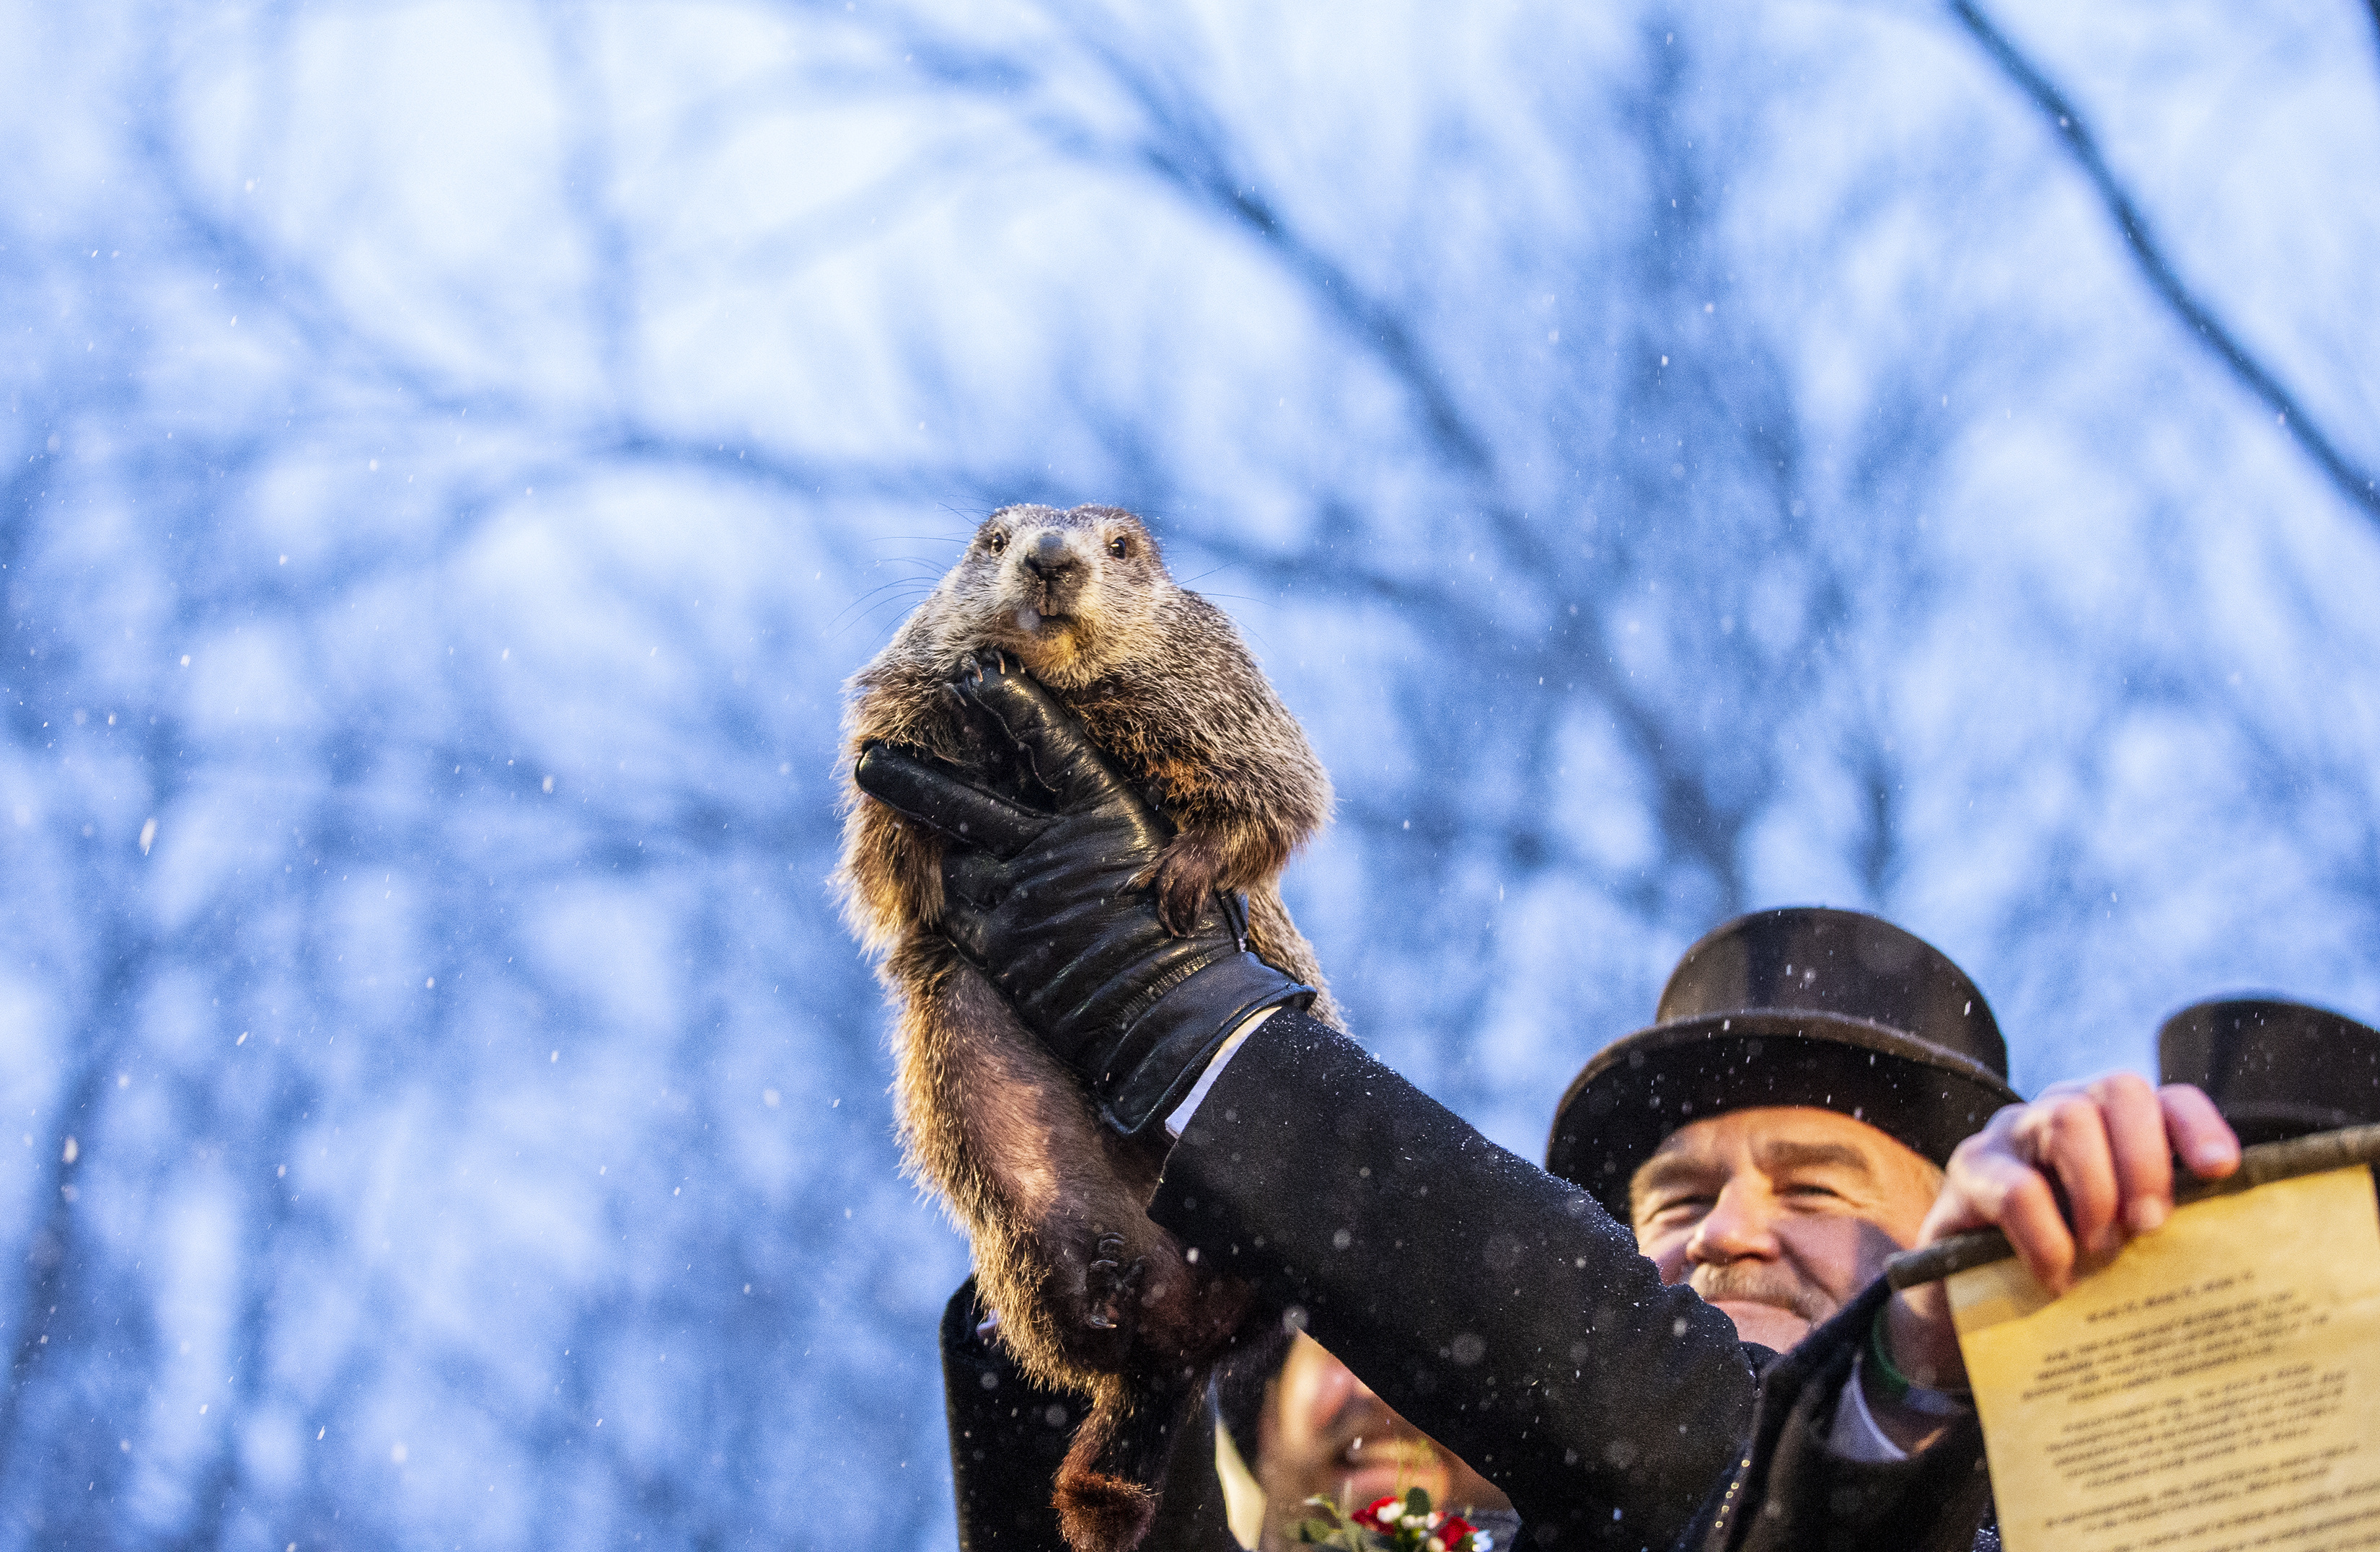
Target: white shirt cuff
[
  {"x": 1855, "y": 1435},
  {"x": 1180, "y": 1118}
]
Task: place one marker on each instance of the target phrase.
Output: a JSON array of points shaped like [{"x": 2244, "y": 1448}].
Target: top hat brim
[
  {"x": 2276, "y": 1067},
  {"x": 2276, "y": 1122},
  {"x": 1639, "y": 1089}
]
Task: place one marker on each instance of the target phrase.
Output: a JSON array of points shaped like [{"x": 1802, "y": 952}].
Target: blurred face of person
[
  {"x": 1779, "y": 1214},
  {"x": 1324, "y": 1434}
]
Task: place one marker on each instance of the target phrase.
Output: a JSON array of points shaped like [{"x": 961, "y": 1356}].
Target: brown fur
[{"x": 1090, "y": 1294}]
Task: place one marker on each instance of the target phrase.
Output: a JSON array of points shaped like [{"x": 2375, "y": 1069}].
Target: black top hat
[
  {"x": 1798, "y": 1006},
  {"x": 2275, "y": 1069}
]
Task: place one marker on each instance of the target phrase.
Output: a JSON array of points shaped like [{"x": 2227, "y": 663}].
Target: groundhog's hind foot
[{"x": 1108, "y": 1286}]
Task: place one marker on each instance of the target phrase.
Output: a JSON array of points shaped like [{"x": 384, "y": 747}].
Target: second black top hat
[{"x": 2275, "y": 1069}]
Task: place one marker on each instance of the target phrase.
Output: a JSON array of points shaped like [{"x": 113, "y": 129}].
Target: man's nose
[{"x": 1741, "y": 1226}]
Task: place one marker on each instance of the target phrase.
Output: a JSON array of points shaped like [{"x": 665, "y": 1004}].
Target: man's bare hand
[
  {"x": 2108, "y": 1145},
  {"x": 2105, "y": 1147}
]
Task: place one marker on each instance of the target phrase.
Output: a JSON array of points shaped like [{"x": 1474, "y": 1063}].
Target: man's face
[
  {"x": 1325, "y": 1434},
  {"x": 1779, "y": 1214}
]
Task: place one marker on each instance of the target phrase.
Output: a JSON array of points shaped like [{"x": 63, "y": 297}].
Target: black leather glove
[{"x": 1055, "y": 909}]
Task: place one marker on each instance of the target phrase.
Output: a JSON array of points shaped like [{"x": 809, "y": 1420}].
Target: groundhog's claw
[
  {"x": 1109, "y": 1285},
  {"x": 1178, "y": 900},
  {"x": 1183, "y": 877},
  {"x": 973, "y": 666}
]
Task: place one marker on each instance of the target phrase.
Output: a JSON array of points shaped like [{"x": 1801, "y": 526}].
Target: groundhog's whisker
[
  {"x": 862, "y": 608},
  {"x": 901, "y": 592},
  {"x": 896, "y": 583},
  {"x": 860, "y": 622}
]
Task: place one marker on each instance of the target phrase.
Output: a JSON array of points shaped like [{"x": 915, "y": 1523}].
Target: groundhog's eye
[
  {"x": 995, "y": 542},
  {"x": 1119, "y": 547}
]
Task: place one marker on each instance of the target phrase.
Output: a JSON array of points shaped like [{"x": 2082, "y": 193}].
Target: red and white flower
[{"x": 1392, "y": 1523}]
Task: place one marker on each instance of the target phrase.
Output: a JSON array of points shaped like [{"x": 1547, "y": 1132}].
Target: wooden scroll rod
[{"x": 2261, "y": 1165}]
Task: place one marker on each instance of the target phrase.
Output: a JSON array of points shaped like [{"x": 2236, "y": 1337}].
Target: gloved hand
[{"x": 1055, "y": 909}]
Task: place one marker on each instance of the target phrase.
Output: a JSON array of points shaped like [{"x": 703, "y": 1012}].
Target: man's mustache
[{"x": 1755, "y": 1282}]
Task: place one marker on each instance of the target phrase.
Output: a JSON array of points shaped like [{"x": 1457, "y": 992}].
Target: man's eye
[{"x": 1813, "y": 1191}]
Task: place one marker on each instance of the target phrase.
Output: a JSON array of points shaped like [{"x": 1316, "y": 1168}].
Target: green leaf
[{"x": 1417, "y": 1501}]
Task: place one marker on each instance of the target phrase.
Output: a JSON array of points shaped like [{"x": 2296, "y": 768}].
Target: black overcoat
[
  {"x": 1790, "y": 1493},
  {"x": 1507, "y": 1315},
  {"x": 1499, "y": 1309}
]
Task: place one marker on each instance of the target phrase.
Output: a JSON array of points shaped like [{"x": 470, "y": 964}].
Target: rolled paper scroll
[{"x": 2215, "y": 1384}]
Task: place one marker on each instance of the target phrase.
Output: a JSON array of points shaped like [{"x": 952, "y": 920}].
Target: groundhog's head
[{"x": 1074, "y": 594}]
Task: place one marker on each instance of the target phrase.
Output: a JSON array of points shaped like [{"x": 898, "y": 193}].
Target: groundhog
[{"x": 1087, "y": 1293}]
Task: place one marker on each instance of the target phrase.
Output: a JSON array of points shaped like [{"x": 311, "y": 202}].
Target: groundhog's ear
[{"x": 939, "y": 799}]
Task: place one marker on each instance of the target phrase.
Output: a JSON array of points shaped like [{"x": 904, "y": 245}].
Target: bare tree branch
[
  {"x": 1601, "y": 515},
  {"x": 2358, "y": 484}
]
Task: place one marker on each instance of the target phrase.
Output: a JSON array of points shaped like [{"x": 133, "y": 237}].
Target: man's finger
[
  {"x": 955, "y": 807},
  {"x": 2136, "y": 1142},
  {"x": 1995, "y": 1185},
  {"x": 1064, "y": 760},
  {"x": 967, "y": 926},
  {"x": 978, "y": 878},
  {"x": 1992, "y": 1182},
  {"x": 2198, "y": 1132},
  {"x": 2027, "y": 1214},
  {"x": 2069, "y": 1139}
]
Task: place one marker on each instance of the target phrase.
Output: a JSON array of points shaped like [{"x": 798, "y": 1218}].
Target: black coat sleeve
[
  {"x": 1008, "y": 1435},
  {"x": 1499, "y": 1309},
  {"x": 1792, "y": 1494}
]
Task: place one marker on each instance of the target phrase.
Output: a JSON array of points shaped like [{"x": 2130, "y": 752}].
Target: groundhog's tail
[{"x": 1110, "y": 1482}]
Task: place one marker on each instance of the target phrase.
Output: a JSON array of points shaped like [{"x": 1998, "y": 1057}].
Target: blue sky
[{"x": 1676, "y": 460}]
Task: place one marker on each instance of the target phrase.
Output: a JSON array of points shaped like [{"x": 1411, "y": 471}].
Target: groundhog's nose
[{"x": 1050, "y": 558}]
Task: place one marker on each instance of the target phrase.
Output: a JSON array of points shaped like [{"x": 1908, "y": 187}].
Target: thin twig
[{"x": 2359, "y": 485}]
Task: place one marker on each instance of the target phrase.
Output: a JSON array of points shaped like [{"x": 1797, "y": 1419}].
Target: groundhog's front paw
[
  {"x": 1183, "y": 877},
  {"x": 981, "y": 662}
]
